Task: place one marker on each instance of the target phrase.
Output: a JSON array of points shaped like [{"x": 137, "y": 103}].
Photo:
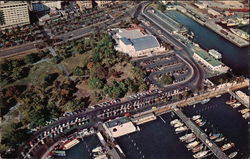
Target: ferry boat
[
  {"x": 219, "y": 139},
  {"x": 205, "y": 101},
  {"x": 196, "y": 117},
  {"x": 197, "y": 148},
  {"x": 233, "y": 154},
  {"x": 246, "y": 115},
  {"x": 227, "y": 146},
  {"x": 187, "y": 136},
  {"x": 214, "y": 136},
  {"x": 243, "y": 111},
  {"x": 67, "y": 145},
  {"x": 192, "y": 144},
  {"x": 240, "y": 33},
  {"x": 236, "y": 105},
  {"x": 180, "y": 129},
  {"x": 200, "y": 154},
  {"x": 174, "y": 121}
]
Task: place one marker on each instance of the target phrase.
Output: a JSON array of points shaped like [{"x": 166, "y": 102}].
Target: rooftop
[
  {"x": 130, "y": 34},
  {"x": 116, "y": 122},
  {"x": 203, "y": 54},
  {"x": 145, "y": 42}
]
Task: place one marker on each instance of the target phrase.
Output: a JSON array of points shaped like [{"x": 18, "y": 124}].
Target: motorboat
[
  {"x": 197, "y": 148},
  {"x": 187, "y": 136},
  {"x": 178, "y": 125},
  {"x": 233, "y": 154},
  {"x": 192, "y": 144},
  {"x": 181, "y": 129},
  {"x": 196, "y": 117},
  {"x": 214, "y": 136},
  {"x": 190, "y": 139},
  {"x": 236, "y": 105},
  {"x": 200, "y": 154},
  {"x": 97, "y": 149},
  {"x": 219, "y": 139},
  {"x": 174, "y": 121},
  {"x": 202, "y": 123},
  {"x": 243, "y": 111},
  {"x": 227, "y": 146}
]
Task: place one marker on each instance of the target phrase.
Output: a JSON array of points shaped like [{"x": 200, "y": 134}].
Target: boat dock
[
  {"x": 238, "y": 98},
  {"x": 201, "y": 135}
]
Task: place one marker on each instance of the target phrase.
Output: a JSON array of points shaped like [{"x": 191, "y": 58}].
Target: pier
[
  {"x": 201, "y": 135},
  {"x": 238, "y": 98}
]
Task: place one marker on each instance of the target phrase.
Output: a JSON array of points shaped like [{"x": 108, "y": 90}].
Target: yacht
[
  {"x": 227, "y": 146},
  {"x": 200, "y": 154},
  {"x": 196, "y": 117},
  {"x": 233, "y": 154},
  {"x": 192, "y": 144}
]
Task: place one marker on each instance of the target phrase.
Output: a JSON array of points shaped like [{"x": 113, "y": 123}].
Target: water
[{"x": 233, "y": 56}]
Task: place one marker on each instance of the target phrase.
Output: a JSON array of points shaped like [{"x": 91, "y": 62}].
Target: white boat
[
  {"x": 192, "y": 144},
  {"x": 200, "y": 154},
  {"x": 218, "y": 96},
  {"x": 233, "y": 154},
  {"x": 198, "y": 121},
  {"x": 197, "y": 148},
  {"x": 227, "y": 146},
  {"x": 214, "y": 136},
  {"x": 178, "y": 125},
  {"x": 180, "y": 129},
  {"x": 205, "y": 101},
  {"x": 219, "y": 139},
  {"x": 190, "y": 139},
  {"x": 97, "y": 149},
  {"x": 236, "y": 105},
  {"x": 246, "y": 115},
  {"x": 102, "y": 156},
  {"x": 67, "y": 145},
  {"x": 174, "y": 121},
  {"x": 196, "y": 117},
  {"x": 182, "y": 138},
  {"x": 243, "y": 111}
]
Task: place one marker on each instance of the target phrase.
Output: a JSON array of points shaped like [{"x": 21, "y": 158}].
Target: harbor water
[
  {"x": 232, "y": 55},
  {"x": 158, "y": 140}
]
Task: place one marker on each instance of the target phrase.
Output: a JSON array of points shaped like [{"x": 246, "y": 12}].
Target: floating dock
[
  {"x": 144, "y": 118},
  {"x": 245, "y": 103},
  {"x": 201, "y": 135}
]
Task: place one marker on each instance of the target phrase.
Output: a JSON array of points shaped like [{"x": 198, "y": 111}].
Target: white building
[
  {"x": 135, "y": 43},
  {"x": 84, "y": 4},
  {"x": 13, "y": 13},
  {"x": 103, "y": 3},
  {"x": 200, "y": 5},
  {"x": 119, "y": 127},
  {"x": 210, "y": 62},
  {"x": 41, "y": 6}
]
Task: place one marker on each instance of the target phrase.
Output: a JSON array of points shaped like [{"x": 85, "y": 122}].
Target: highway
[{"x": 146, "y": 101}]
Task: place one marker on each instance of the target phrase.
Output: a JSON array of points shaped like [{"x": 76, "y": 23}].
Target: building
[
  {"x": 210, "y": 62},
  {"x": 119, "y": 127},
  {"x": 85, "y": 4},
  {"x": 135, "y": 43},
  {"x": 13, "y": 13},
  {"x": 41, "y": 6},
  {"x": 200, "y": 5},
  {"x": 102, "y": 3}
]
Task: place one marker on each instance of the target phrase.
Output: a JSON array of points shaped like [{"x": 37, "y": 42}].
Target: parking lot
[{"x": 164, "y": 64}]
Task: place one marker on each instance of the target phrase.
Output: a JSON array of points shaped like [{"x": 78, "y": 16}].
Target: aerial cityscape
[{"x": 116, "y": 79}]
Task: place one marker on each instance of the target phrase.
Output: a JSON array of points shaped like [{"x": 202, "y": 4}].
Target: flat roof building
[
  {"x": 102, "y": 3},
  {"x": 13, "y": 13},
  {"x": 41, "y": 6},
  {"x": 135, "y": 43},
  {"x": 85, "y": 4}
]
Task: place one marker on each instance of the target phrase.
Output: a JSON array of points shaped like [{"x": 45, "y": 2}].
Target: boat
[
  {"x": 231, "y": 101},
  {"x": 196, "y": 117},
  {"x": 215, "y": 54},
  {"x": 240, "y": 33},
  {"x": 243, "y": 96},
  {"x": 236, "y": 105},
  {"x": 205, "y": 101},
  {"x": 197, "y": 148},
  {"x": 192, "y": 144},
  {"x": 67, "y": 145},
  {"x": 174, "y": 121},
  {"x": 246, "y": 115},
  {"x": 219, "y": 139},
  {"x": 58, "y": 153},
  {"x": 214, "y": 136},
  {"x": 182, "y": 138},
  {"x": 218, "y": 96},
  {"x": 198, "y": 121},
  {"x": 190, "y": 139},
  {"x": 243, "y": 111},
  {"x": 97, "y": 149},
  {"x": 233, "y": 154},
  {"x": 102, "y": 156},
  {"x": 227, "y": 146},
  {"x": 202, "y": 123},
  {"x": 178, "y": 125},
  {"x": 180, "y": 129},
  {"x": 200, "y": 154}
]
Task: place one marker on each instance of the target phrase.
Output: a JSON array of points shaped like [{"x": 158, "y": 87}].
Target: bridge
[
  {"x": 238, "y": 98},
  {"x": 201, "y": 135}
]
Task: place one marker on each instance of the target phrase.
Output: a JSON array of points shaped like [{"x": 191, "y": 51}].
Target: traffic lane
[{"x": 13, "y": 51}]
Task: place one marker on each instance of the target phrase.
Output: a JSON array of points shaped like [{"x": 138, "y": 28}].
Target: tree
[
  {"x": 19, "y": 73},
  {"x": 31, "y": 58},
  {"x": 161, "y": 7},
  {"x": 50, "y": 78},
  {"x": 95, "y": 83},
  {"x": 166, "y": 79},
  {"x": 78, "y": 71}
]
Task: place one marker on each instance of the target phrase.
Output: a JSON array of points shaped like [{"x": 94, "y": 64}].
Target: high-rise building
[
  {"x": 84, "y": 4},
  {"x": 40, "y": 6},
  {"x": 13, "y": 13}
]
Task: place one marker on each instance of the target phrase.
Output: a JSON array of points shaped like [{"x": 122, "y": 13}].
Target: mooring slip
[
  {"x": 201, "y": 135},
  {"x": 241, "y": 97}
]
